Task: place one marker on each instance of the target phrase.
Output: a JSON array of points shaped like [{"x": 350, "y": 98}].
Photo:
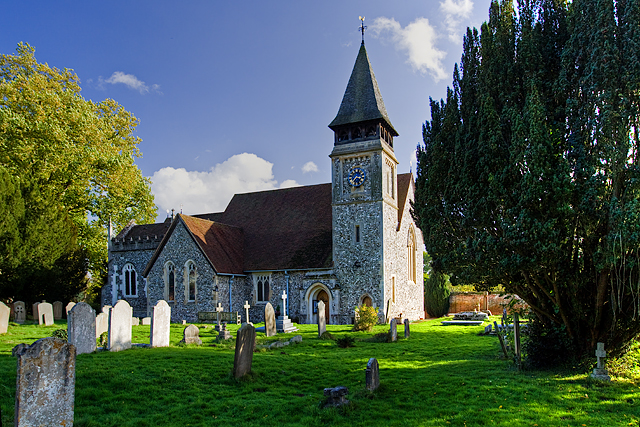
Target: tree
[
  {"x": 528, "y": 176},
  {"x": 77, "y": 153}
]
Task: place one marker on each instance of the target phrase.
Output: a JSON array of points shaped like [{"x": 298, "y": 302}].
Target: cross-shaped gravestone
[
  {"x": 246, "y": 307},
  {"x": 218, "y": 311},
  {"x": 284, "y": 303},
  {"x": 600, "y": 354}
]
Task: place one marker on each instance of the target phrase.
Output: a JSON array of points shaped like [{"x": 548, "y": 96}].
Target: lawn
[{"x": 441, "y": 376}]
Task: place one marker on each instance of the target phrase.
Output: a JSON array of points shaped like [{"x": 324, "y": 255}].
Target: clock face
[{"x": 357, "y": 175}]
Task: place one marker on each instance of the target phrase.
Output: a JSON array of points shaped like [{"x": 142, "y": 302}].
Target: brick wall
[{"x": 468, "y": 301}]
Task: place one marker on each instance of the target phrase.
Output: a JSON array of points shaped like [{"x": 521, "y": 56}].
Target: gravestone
[
  {"x": 69, "y": 307},
  {"x": 135, "y": 321},
  {"x": 45, "y": 314},
  {"x": 160, "y": 324},
  {"x": 407, "y": 331},
  {"x": 34, "y": 310},
  {"x": 146, "y": 321},
  {"x": 600, "y": 372},
  {"x": 102, "y": 324},
  {"x": 246, "y": 307},
  {"x": 245, "y": 343},
  {"x": 393, "y": 330},
  {"x": 20, "y": 311},
  {"x": 81, "y": 328},
  {"x": 106, "y": 308},
  {"x": 224, "y": 334},
  {"x": 57, "y": 310},
  {"x": 322, "y": 322},
  {"x": 219, "y": 310},
  {"x": 5, "y": 311},
  {"x": 45, "y": 384},
  {"x": 372, "y": 375},
  {"x": 284, "y": 324},
  {"x": 269, "y": 320},
  {"x": 120, "y": 326},
  {"x": 336, "y": 396},
  {"x": 191, "y": 335}
]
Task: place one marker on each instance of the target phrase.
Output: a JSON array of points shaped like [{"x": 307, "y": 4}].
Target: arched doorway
[
  {"x": 367, "y": 301},
  {"x": 318, "y": 292}
]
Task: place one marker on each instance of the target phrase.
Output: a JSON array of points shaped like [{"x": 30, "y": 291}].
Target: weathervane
[{"x": 362, "y": 27}]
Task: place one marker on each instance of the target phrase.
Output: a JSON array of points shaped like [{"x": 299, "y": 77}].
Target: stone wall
[{"x": 468, "y": 301}]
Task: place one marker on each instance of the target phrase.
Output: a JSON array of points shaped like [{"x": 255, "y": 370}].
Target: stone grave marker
[
  {"x": 69, "y": 307},
  {"x": 57, "y": 310},
  {"x": 407, "y": 330},
  {"x": 160, "y": 324},
  {"x": 45, "y": 385},
  {"x": 600, "y": 372},
  {"x": 372, "y": 375},
  {"x": 135, "y": 321},
  {"x": 120, "y": 326},
  {"x": 336, "y": 396},
  {"x": 393, "y": 330},
  {"x": 191, "y": 335},
  {"x": 322, "y": 322},
  {"x": 34, "y": 310},
  {"x": 283, "y": 323},
  {"x": 5, "y": 311},
  {"x": 224, "y": 334},
  {"x": 81, "y": 328},
  {"x": 145, "y": 321},
  {"x": 106, "y": 308},
  {"x": 269, "y": 320},
  {"x": 45, "y": 314},
  {"x": 219, "y": 310},
  {"x": 245, "y": 343},
  {"x": 20, "y": 311},
  {"x": 102, "y": 324},
  {"x": 246, "y": 307}
]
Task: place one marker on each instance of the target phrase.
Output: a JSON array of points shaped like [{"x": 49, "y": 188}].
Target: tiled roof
[
  {"x": 362, "y": 100},
  {"x": 145, "y": 230},
  {"x": 405, "y": 181}
]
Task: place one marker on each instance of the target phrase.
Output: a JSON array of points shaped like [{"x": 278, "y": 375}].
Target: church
[{"x": 349, "y": 242}]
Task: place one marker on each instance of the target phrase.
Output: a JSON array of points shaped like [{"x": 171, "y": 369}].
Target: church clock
[{"x": 357, "y": 176}]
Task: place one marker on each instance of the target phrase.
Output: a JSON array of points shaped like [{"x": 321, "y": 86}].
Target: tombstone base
[
  {"x": 285, "y": 325},
  {"x": 600, "y": 374},
  {"x": 225, "y": 335},
  {"x": 336, "y": 396}
]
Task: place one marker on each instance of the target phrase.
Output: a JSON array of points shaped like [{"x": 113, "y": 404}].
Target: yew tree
[{"x": 528, "y": 176}]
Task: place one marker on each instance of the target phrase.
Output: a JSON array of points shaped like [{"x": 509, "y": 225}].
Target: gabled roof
[
  {"x": 362, "y": 100},
  {"x": 405, "y": 181},
  {"x": 133, "y": 231}
]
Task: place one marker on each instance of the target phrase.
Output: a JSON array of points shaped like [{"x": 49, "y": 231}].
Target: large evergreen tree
[{"x": 529, "y": 177}]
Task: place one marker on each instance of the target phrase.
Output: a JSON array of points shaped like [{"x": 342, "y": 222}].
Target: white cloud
[
  {"x": 128, "y": 80},
  {"x": 309, "y": 167},
  {"x": 211, "y": 191},
  {"x": 418, "y": 40},
  {"x": 455, "y": 11}
]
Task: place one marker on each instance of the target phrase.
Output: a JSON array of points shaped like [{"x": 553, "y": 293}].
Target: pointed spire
[{"x": 362, "y": 100}]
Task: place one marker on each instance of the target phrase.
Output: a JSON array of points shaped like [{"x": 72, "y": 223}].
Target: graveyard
[{"x": 440, "y": 376}]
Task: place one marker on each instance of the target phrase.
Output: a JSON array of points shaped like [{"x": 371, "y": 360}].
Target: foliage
[
  {"x": 380, "y": 337},
  {"x": 326, "y": 335},
  {"x": 103, "y": 339},
  {"x": 60, "y": 334},
  {"x": 436, "y": 294},
  {"x": 528, "y": 174},
  {"x": 366, "y": 318},
  {"x": 628, "y": 365},
  {"x": 346, "y": 341},
  {"x": 76, "y": 154},
  {"x": 546, "y": 346}
]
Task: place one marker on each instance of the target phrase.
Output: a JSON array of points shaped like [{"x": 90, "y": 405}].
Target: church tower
[{"x": 364, "y": 193}]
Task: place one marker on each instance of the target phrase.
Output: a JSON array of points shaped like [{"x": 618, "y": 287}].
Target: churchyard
[{"x": 440, "y": 376}]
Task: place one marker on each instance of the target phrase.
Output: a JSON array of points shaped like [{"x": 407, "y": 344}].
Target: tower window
[
  {"x": 170, "y": 281},
  {"x": 129, "y": 281}
]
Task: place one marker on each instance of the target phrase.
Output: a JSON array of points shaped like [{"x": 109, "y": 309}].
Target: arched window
[
  {"x": 130, "y": 288},
  {"x": 170, "y": 281},
  {"x": 263, "y": 291},
  {"x": 411, "y": 256},
  {"x": 190, "y": 281}
]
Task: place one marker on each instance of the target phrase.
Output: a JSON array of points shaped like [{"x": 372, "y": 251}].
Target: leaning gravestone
[
  {"x": 45, "y": 384},
  {"x": 69, "y": 307},
  {"x": 20, "y": 311},
  {"x": 45, "y": 314},
  {"x": 5, "y": 311},
  {"x": 102, "y": 324},
  {"x": 245, "y": 342},
  {"x": 269, "y": 320},
  {"x": 393, "y": 330},
  {"x": 407, "y": 331},
  {"x": 322, "y": 322},
  {"x": 81, "y": 328},
  {"x": 160, "y": 324},
  {"x": 372, "y": 375},
  {"x": 191, "y": 335},
  {"x": 120, "y": 326},
  {"x": 57, "y": 310}
]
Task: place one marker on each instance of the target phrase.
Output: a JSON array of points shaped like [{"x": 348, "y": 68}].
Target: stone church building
[{"x": 349, "y": 242}]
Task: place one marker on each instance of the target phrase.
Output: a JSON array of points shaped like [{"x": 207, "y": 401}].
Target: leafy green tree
[
  {"x": 528, "y": 176},
  {"x": 79, "y": 153},
  {"x": 436, "y": 294}
]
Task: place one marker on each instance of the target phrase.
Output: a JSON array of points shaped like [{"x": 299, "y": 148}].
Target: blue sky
[{"x": 236, "y": 96}]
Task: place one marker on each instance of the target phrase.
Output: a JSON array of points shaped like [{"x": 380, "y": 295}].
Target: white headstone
[
  {"x": 246, "y": 307},
  {"x": 160, "y": 324},
  {"x": 145, "y": 321},
  {"x": 5, "y": 311},
  {"x": 120, "y": 326},
  {"x": 102, "y": 324},
  {"x": 322, "y": 321},
  {"x": 284, "y": 303},
  {"x": 45, "y": 314},
  {"x": 81, "y": 328},
  {"x": 269, "y": 320},
  {"x": 135, "y": 321}
]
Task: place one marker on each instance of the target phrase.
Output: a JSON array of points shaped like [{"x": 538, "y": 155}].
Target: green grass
[{"x": 441, "y": 376}]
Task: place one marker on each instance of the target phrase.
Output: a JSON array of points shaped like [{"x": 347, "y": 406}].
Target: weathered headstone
[
  {"x": 322, "y": 322},
  {"x": 191, "y": 335},
  {"x": 600, "y": 372},
  {"x": 393, "y": 330},
  {"x": 283, "y": 323},
  {"x": 81, "y": 328},
  {"x": 245, "y": 342},
  {"x": 45, "y": 385},
  {"x": 224, "y": 334},
  {"x": 57, "y": 310},
  {"x": 269, "y": 320},
  {"x": 120, "y": 326},
  {"x": 5, "y": 311},
  {"x": 246, "y": 307},
  {"x": 69, "y": 307},
  {"x": 45, "y": 314},
  {"x": 34, "y": 310},
  {"x": 372, "y": 375},
  {"x": 145, "y": 321},
  {"x": 160, "y": 324},
  {"x": 336, "y": 396},
  {"x": 20, "y": 311},
  {"x": 102, "y": 324},
  {"x": 407, "y": 331}
]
